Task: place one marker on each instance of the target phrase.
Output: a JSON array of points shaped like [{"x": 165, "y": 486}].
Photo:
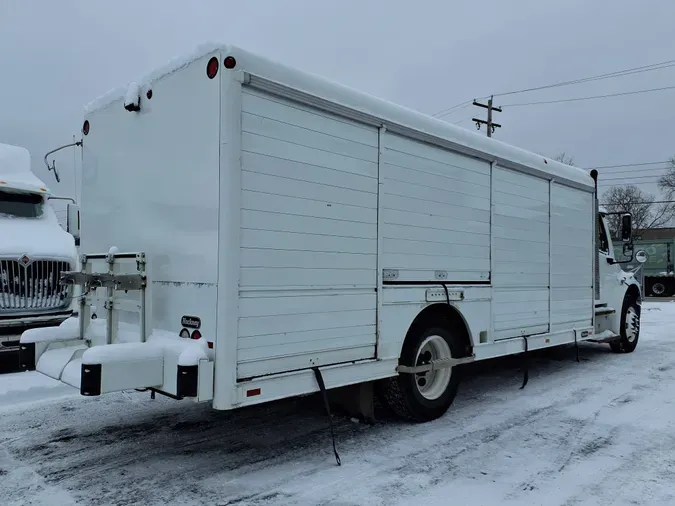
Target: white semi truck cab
[{"x": 34, "y": 251}]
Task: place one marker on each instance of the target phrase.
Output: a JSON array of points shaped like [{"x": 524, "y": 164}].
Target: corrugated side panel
[
  {"x": 309, "y": 238},
  {"x": 520, "y": 234},
  {"x": 435, "y": 212},
  {"x": 572, "y": 259}
]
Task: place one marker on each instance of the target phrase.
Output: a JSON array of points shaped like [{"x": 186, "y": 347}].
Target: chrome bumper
[
  {"x": 29, "y": 321},
  {"x": 12, "y": 328}
]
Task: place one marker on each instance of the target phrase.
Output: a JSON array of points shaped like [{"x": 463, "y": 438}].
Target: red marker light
[
  {"x": 212, "y": 68},
  {"x": 230, "y": 62},
  {"x": 85, "y": 127},
  {"x": 210, "y": 345},
  {"x": 196, "y": 334},
  {"x": 253, "y": 392}
]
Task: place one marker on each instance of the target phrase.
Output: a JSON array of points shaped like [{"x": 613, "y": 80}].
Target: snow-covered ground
[{"x": 597, "y": 432}]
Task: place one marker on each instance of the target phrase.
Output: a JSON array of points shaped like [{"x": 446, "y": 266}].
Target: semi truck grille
[{"x": 33, "y": 288}]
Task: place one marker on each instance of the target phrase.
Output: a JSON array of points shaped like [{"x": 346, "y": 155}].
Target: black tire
[
  {"x": 624, "y": 345},
  {"x": 657, "y": 288},
  {"x": 401, "y": 393}
]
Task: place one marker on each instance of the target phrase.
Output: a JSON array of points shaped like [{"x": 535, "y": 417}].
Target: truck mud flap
[{"x": 27, "y": 360}]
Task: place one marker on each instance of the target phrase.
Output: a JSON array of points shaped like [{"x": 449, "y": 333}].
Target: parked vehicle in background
[
  {"x": 252, "y": 232},
  {"x": 34, "y": 251},
  {"x": 659, "y": 270}
]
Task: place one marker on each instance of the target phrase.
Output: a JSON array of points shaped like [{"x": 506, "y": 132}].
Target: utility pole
[{"x": 490, "y": 124}]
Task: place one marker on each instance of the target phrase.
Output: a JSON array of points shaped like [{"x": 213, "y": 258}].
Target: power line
[
  {"x": 637, "y": 183},
  {"x": 626, "y": 165},
  {"x": 462, "y": 120},
  {"x": 657, "y": 176},
  {"x": 640, "y": 203},
  {"x": 614, "y": 172},
  {"x": 576, "y": 99},
  {"x": 447, "y": 111},
  {"x": 618, "y": 73},
  {"x": 609, "y": 75}
]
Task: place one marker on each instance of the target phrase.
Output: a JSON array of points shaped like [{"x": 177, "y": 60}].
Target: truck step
[
  {"x": 605, "y": 337},
  {"x": 604, "y": 310}
]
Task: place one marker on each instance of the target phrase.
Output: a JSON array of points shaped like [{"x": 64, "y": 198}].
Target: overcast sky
[{"x": 55, "y": 56}]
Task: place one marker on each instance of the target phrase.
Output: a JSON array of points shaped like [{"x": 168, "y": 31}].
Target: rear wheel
[
  {"x": 422, "y": 397},
  {"x": 630, "y": 327},
  {"x": 658, "y": 289}
]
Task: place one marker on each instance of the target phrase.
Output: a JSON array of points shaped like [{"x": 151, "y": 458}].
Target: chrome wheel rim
[
  {"x": 432, "y": 384},
  {"x": 658, "y": 288}
]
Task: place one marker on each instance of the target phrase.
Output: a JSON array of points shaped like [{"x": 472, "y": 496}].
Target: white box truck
[
  {"x": 34, "y": 251},
  {"x": 252, "y": 232}
]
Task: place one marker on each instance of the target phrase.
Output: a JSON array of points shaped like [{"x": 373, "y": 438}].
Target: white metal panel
[
  {"x": 572, "y": 300},
  {"x": 308, "y": 238},
  {"x": 435, "y": 207},
  {"x": 520, "y": 254},
  {"x": 150, "y": 183},
  {"x": 402, "y": 304}
]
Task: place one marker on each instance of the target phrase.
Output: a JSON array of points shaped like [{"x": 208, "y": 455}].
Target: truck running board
[{"x": 604, "y": 311}]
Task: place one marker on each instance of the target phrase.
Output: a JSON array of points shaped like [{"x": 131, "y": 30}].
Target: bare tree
[
  {"x": 631, "y": 199},
  {"x": 667, "y": 182},
  {"x": 563, "y": 158}
]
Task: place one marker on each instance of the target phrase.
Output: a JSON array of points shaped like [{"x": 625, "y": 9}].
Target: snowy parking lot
[{"x": 596, "y": 432}]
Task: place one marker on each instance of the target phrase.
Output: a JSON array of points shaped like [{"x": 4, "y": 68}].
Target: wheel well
[
  {"x": 633, "y": 292},
  {"x": 446, "y": 316}
]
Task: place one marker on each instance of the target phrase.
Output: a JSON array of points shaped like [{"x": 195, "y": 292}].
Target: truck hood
[{"x": 39, "y": 238}]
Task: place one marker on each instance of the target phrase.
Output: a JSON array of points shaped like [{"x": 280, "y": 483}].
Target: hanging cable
[
  {"x": 594, "y": 97},
  {"x": 609, "y": 75}
]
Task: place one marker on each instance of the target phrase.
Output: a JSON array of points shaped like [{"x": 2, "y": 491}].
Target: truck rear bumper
[{"x": 180, "y": 368}]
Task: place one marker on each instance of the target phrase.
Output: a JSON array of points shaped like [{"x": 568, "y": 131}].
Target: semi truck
[
  {"x": 34, "y": 251},
  {"x": 253, "y": 232},
  {"x": 658, "y": 273}
]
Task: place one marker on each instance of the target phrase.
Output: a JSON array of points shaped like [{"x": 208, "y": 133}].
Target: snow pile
[
  {"x": 68, "y": 330},
  {"x": 132, "y": 95},
  {"x": 25, "y": 388},
  {"x": 36, "y": 237},
  {"x": 596, "y": 432},
  {"x": 119, "y": 352},
  {"x": 15, "y": 170}
]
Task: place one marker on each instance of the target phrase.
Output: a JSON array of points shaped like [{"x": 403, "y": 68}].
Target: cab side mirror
[
  {"x": 641, "y": 256},
  {"x": 626, "y": 227},
  {"x": 73, "y": 222}
]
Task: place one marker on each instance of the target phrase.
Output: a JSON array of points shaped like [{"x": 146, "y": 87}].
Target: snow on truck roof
[
  {"x": 353, "y": 99},
  {"x": 15, "y": 170}
]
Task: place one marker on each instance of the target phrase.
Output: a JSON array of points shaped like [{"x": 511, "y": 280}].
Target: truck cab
[
  {"x": 34, "y": 251},
  {"x": 618, "y": 294}
]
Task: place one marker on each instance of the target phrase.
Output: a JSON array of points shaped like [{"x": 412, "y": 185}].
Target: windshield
[{"x": 20, "y": 205}]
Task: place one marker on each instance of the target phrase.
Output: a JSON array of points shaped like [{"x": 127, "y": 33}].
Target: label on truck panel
[{"x": 191, "y": 322}]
